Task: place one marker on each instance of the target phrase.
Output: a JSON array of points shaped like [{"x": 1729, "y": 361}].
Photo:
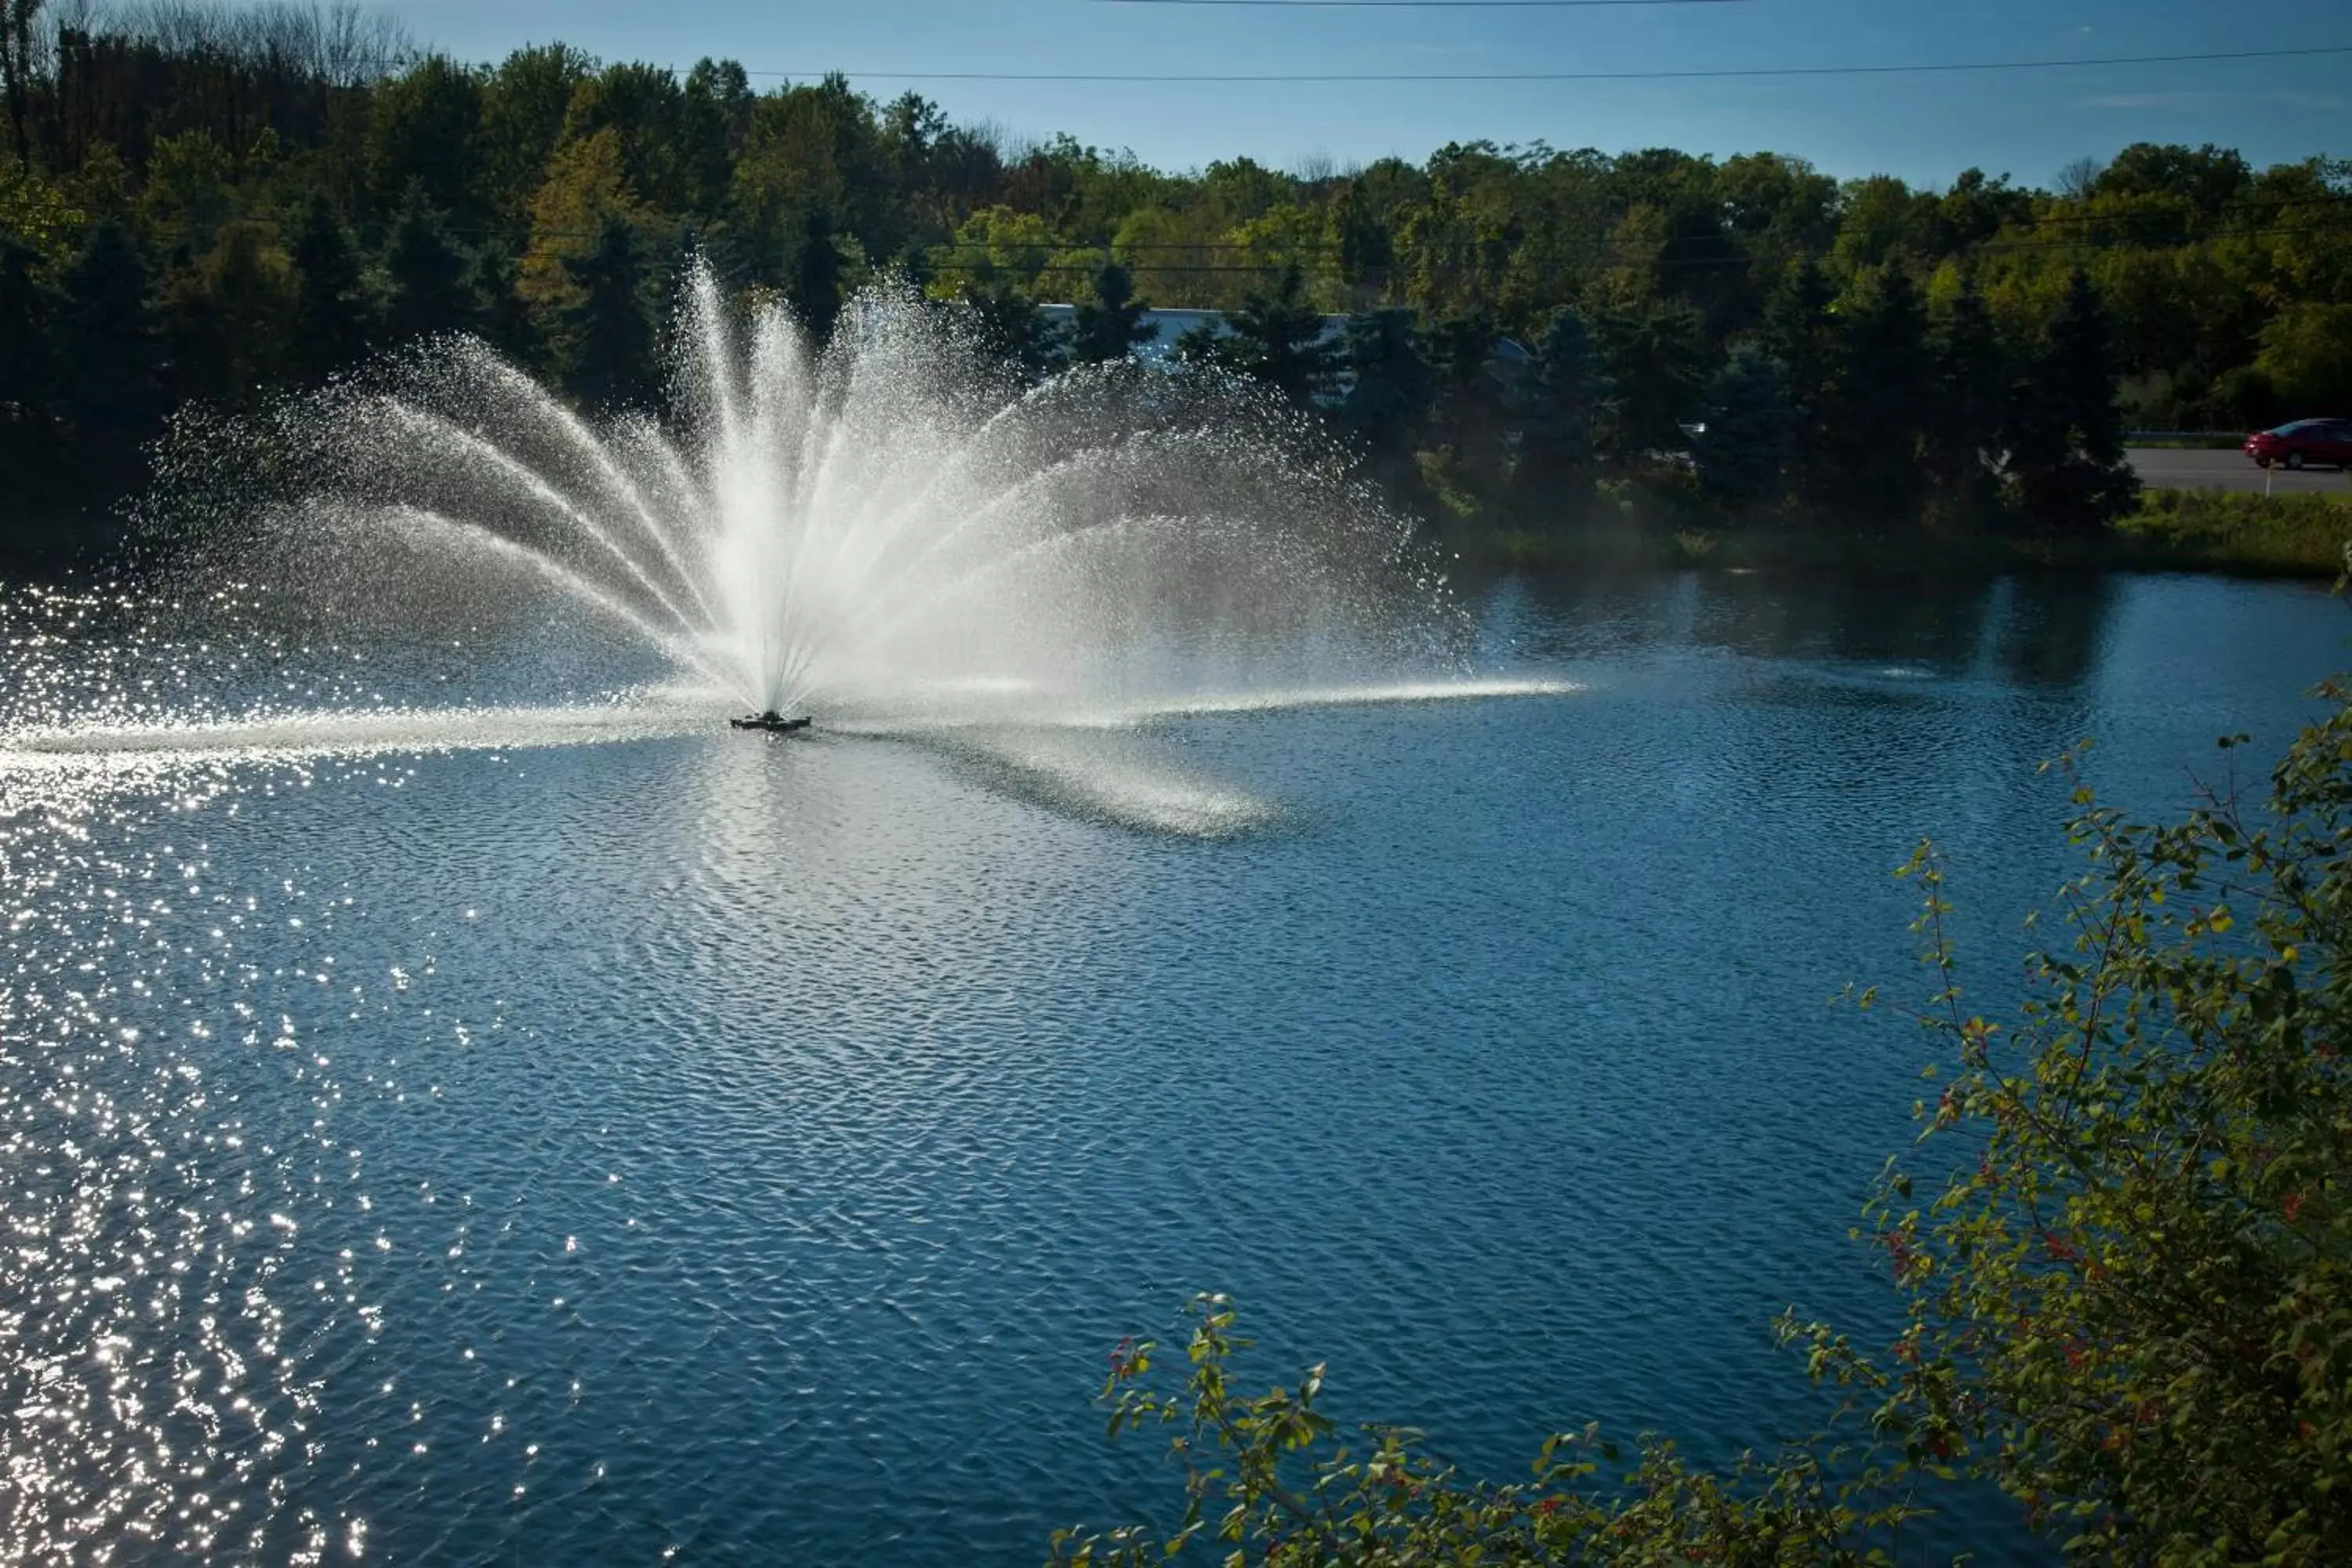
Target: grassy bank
[
  {"x": 2216, "y": 530},
  {"x": 2173, "y": 531}
]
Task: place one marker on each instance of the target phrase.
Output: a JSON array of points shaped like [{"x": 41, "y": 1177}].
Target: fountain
[{"x": 883, "y": 532}]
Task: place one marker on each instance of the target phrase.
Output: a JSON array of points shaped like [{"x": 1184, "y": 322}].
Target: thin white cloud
[
  {"x": 2150, "y": 99},
  {"x": 2323, "y": 102}
]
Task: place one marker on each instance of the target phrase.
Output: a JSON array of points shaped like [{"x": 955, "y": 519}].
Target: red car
[{"x": 2302, "y": 443}]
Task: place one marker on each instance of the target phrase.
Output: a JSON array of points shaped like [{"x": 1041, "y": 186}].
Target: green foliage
[
  {"x": 107, "y": 350},
  {"x": 2124, "y": 1265},
  {"x": 16, "y": 66},
  {"x": 1474, "y": 394},
  {"x": 1110, "y": 325},
  {"x": 1902, "y": 315},
  {"x": 229, "y": 316},
  {"x": 332, "y": 309},
  {"x": 424, "y": 131},
  {"x": 1882, "y": 401},
  {"x": 2128, "y": 1302},
  {"x": 1563, "y": 406},
  {"x": 995, "y": 251},
  {"x": 1387, "y": 407},
  {"x": 24, "y": 319},
  {"x": 2064, "y": 431},
  {"x": 1277, "y": 337},
  {"x": 1655, "y": 355},
  {"x": 29, "y": 441},
  {"x": 36, "y": 213},
  {"x": 1961, "y": 439},
  {"x": 817, "y": 273},
  {"x": 2306, "y": 357},
  {"x": 1015, "y": 331},
  {"x": 1752, "y": 431},
  {"x": 606, "y": 347},
  {"x": 506, "y": 318},
  {"x": 191, "y": 189},
  {"x": 1272, "y": 1478},
  {"x": 2206, "y": 178},
  {"x": 524, "y": 104},
  {"x": 1798, "y": 331},
  {"x": 2300, "y": 535},
  {"x": 430, "y": 291}
]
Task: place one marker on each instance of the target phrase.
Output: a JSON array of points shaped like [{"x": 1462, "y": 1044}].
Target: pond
[{"x": 607, "y": 1141}]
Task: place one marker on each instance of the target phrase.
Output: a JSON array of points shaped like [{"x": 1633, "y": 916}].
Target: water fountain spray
[{"x": 884, "y": 527}]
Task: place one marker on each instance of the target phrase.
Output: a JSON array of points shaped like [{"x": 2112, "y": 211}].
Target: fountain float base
[{"x": 772, "y": 721}]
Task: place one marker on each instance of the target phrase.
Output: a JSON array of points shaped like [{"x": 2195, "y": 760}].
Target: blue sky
[{"x": 1925, "y": 129}]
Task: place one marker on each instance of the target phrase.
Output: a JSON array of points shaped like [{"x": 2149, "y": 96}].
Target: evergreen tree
[
  {"x": 109, "y": 352},
  {"x": 1207, "y": 343},
  {"x": 1010, "y": 327},
  {"x": 1472, "y": 409},
  {"x": 1655, "y": 355},
  {"x": 430, "y": 289},
  {"x": 24, "y": 315},
  {"x": 912, "y": 269},
  {"x": 1561, "y": 404},
  {"x": 1110, "y": 326},
  {"x": 1963, "y": 437},
  {"x": 331, "y": 306},
  {"x": 1367, "y": 250},
  {"x": 608, "y": 336},
  {"x": 1387, "y": 407},
  {"x": 2064, "y": 431},
  {"x": 1880, "y": 403},
  {"x": 31, "y": 452},
  {"x": 1800, "y": 333},
  {"x": 232, "y": 314},
  {"x": 425, "y": 129},
  {"x": 1277, "y": 338},
  {"x": 1752, "y": 427},
  {"x": 506, "y": 320},
  {"x": 815, "y": 277}
]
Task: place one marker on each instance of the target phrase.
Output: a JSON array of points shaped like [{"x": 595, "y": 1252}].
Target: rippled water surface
[{"x": 608, "y": 1137}]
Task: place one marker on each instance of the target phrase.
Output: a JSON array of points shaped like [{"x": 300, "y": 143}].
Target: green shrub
[
  {"x": 2299, "y": 534},
  {"x": 2129, "y": 1303}
]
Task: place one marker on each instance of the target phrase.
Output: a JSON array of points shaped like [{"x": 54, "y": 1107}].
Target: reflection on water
[
  {"x": 2045, "y": 630},
  {"x": 701, "y": 1143}
]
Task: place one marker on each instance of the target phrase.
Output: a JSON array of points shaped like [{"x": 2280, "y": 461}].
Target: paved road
[{"x": 2178, "y": 470}]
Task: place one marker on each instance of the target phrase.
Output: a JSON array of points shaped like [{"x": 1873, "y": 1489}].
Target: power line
[
  {"x": 1748, "y": 72},
  {"x": 1342, "y": 78},
  {"x": 1605, "y": 257},
  {"x": 967, "y": 254},
  {"x": 2140, "y": 218},
  {"x": 1420, "y": 5}
]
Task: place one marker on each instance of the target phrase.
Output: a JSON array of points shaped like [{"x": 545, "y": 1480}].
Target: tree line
[{"x": 214, "y": 205}]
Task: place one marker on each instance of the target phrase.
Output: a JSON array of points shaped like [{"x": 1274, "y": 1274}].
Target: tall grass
[{"x": 2286, "y": 536}]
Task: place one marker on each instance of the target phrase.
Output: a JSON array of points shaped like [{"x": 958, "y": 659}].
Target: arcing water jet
[{"x": 884, "y": 529}]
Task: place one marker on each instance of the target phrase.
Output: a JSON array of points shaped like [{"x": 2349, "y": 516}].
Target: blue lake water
[{"x": 737, "y": 1149}]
